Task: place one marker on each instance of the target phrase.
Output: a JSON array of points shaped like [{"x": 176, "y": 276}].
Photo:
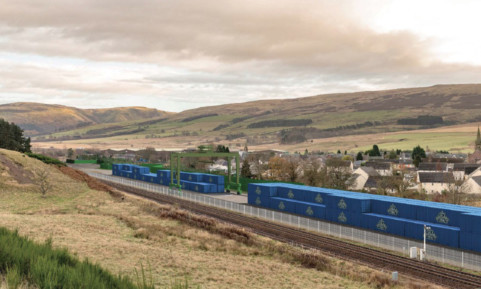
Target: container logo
[
  {"x": 258, "y": 191},
  {"x": 342, "y": 204},
  {"x": 319, "y": 198},
  {"x": 258, "y": 201},
  {"x": 290, "y": 194},
  {"x": 190, "y": 178},
  {"x": 196, "y": 188},
  {"x": 392, "y": 210},
  {"x": 281, "y": 206},
  {"x": 342, "y": 218},
  {"x": 210, "y": 180},
  {"x": 381, "y": 225},
  {"x": 442, "y": 218},
  {"x": 430, "y": 235},
  {"x": 309, "y": 211},
  {"x": 161, "y": 175}
]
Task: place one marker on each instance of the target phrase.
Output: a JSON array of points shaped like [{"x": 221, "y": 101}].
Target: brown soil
[
  {"x": 17, "y": 171},
  {"x": 91, "y": 182}
]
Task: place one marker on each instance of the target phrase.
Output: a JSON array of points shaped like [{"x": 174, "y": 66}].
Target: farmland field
[{"x": 459, "y": 138}]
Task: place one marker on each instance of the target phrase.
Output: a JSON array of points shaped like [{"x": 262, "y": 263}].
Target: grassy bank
[{"x": 40, "y": 264}]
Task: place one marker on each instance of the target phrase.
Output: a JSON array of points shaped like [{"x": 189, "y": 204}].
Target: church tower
[{"x": 477, "y": 143}]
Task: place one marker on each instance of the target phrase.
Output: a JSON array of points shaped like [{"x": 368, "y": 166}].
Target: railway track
[{"x": 379, "y": 259}]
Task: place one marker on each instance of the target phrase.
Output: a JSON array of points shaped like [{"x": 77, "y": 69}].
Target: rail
[{"x": 455, "y": 257}]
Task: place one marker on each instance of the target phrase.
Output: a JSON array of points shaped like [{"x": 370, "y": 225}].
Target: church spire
[{"x": 477, "y": 144}]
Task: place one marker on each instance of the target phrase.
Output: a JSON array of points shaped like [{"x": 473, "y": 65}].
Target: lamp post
[{"x": 424, "y": 235}]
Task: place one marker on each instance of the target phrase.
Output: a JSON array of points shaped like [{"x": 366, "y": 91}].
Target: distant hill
[
  {"x": 40, "y": 119},
  {"x": 285, "y": 121}
]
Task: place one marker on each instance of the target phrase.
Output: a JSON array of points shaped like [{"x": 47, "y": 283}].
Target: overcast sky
[{"x": 175, "y": 54}]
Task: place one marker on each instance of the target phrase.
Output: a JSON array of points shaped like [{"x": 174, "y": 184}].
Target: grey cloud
[{"x": 312, "y": 34}]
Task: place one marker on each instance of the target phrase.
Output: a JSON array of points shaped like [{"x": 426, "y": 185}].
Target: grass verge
[{"x": 40, "y": 264}]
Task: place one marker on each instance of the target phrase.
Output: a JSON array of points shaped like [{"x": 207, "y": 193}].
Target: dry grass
[{"x": 124, "y": 235}]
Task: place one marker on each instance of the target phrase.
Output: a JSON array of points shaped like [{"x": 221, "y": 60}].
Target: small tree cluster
[{"x": 12, "y": 138}]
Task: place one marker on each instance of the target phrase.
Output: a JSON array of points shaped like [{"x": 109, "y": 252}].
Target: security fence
[{"x": 456, "y": 257}]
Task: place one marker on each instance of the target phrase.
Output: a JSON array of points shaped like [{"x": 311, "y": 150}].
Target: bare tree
[
  {"x": 454, "y": 192},
  {"x": 43, "y": 181},
  {"x": 336, "y": 174},
  {"x": 312, "y": 172}
]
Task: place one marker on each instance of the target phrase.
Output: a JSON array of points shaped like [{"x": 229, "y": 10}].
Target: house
[
  {"x": 403, "y": 164},
  {"x": 434, "y": 167},
  {"x": 462, "y": 171},
  {"x": 361, "y": 176},
  {"x": 435, "y": 182},
  {"x": 383, "y": 168},
  {"x": 472, "y": 185},
  {"x": 476, "y": 172}
]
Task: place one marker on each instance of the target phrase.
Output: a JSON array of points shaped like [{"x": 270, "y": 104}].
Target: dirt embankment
[{"x": 91, "y": 182}]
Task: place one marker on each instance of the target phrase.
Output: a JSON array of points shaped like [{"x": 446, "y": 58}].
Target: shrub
[{"x": 46, "y": 159}]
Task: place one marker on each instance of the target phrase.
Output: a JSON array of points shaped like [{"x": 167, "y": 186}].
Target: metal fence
[{"x": 446, "y": 255}]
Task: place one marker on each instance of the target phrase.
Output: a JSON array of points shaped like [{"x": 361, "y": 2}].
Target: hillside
[
  {"x": 294, "y": 123},
  {"x": 123, "y": 233},
  {"x": 38, "y": 119}
]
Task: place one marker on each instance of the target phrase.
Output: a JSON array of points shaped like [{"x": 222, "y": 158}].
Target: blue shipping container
[
  {"x": 470, "y": 241},
  {"x": 349, "y": 203},
  {"x": 267, "y": 189},
  {"x": 439, "y": 234},
  {"x": 394, "y": 209},
  {"x": 311, "y": 210},
  {"x": 386, "y": 224},
  {"x": 290, "y": 193},
  {"x": 343, "y": 217},
  {"x": 439, "y": 215},
  {"x": 281, "y": 204}
]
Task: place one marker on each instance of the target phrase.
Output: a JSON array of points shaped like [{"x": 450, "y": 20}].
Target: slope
[
  {"x": 295, "y": 121},
  {"x": 37, "y": 119}
]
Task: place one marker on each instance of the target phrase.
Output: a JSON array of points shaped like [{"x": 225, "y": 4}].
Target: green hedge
[
  {"x": 45, "y": 267},
  {"x": 85, "y": 161},
  {"x": 45, "y": 159}
]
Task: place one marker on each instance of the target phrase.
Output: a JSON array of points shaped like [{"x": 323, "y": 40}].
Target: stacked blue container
[
  {"x": 450, "y": 225},
  {"x": 202, "y": 183}
]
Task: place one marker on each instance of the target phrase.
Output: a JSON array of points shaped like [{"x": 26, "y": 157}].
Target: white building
[{"x": 435, "y": 182}]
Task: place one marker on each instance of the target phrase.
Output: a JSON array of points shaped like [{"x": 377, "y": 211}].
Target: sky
[{"x": 176, "y": 55}]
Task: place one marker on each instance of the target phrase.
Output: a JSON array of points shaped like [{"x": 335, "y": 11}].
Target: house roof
[
  {"x": 436, "y": 177},
  {"x": 475, "y": 157},
  {"x": 370, "y": 171},
  {"x": 372, "y": 182},
  {"x": 432, "y": 166},
  {"x": 477, "y": 179},
  {"x": 378, "y": 165},
  {"x": 467, "y": 168}
]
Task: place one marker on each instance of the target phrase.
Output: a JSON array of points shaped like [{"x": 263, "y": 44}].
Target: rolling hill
[
  {"x": 40, "y": 119},
  {"x": 286, "y": 122}
]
